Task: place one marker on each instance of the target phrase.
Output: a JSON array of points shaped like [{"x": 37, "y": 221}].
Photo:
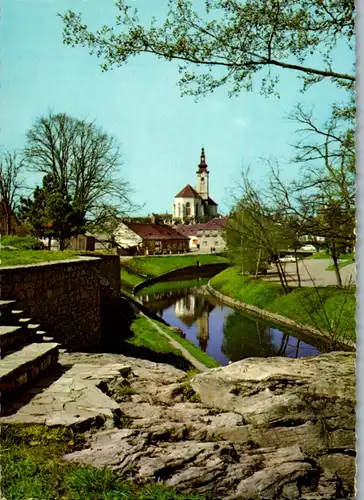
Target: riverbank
[
  {"x": 161, "y": 343},
  {"x": 139, "y": 269},
  {"x": 325, "y": 311}
]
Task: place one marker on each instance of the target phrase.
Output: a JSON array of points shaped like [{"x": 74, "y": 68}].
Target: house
[
  {"x": 194, "y": 203},
  {"x": 15, "y": 227},
  {"x": 207, "y": 236},
  {"x": 150, "y": 238}
]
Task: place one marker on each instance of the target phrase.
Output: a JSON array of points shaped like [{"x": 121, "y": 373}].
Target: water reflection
[{"x": 224, "y": 333}]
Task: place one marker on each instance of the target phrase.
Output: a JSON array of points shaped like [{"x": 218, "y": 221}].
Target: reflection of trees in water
[{"x": 245, "y": 337}]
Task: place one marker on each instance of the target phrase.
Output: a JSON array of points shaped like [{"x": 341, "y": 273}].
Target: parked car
[
  {"x": 308, "y": 248},
  {"x": 287, "y": 258}
]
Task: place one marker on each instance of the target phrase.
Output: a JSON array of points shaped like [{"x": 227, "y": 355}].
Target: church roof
[
  {"x": 188, "y": 192},
  {"x": 210, "y": 201}
]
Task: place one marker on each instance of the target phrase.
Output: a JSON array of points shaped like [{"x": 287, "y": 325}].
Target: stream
[{"x": 226, "y": 334}]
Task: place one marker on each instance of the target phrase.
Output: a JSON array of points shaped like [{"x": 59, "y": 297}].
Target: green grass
[
  {"x": 324, "y": 255},
  {"x": 341, "y": 264},
  {"x": 154, "y": 266},
  {"x": 32, "y": 468},
  {"x": 24, "y": 257},
  {"x": 145, "y": 335},
  {"x": 195, "y": 351},
  {"x": 129, "y": 277},
  {"x": 165, "y": 286},
  {"x": 325, "y": 308}
]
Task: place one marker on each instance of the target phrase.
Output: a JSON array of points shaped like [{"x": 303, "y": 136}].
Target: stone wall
[{"x": 64, "y": 296}]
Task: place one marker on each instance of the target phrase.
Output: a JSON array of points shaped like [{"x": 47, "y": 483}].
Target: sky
[{"x": 160, "y": 132}]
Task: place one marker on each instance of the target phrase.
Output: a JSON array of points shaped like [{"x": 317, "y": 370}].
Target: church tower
[{"x": 202, "y": 186}]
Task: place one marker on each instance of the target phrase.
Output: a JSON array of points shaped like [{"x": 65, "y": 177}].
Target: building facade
[
  {"x": 195, "y": 203},
  {"x": 150, "y": 239}
]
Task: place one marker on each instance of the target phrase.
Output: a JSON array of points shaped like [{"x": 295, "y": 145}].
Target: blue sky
[{"x": 161, "y": 133}]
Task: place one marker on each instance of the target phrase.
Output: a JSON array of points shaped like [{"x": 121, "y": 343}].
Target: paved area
[
  {"x": 69, "y": 396},
  {"x": 313, "y": 272}
]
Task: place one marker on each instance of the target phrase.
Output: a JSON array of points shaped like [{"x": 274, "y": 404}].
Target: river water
[{"x": 224, "y": 333}]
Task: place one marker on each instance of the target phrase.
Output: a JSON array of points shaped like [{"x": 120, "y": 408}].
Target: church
[{"x": 193, "y": 204}]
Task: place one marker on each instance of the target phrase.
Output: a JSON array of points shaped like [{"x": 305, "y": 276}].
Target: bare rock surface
[{"x": 260, "y": 428}]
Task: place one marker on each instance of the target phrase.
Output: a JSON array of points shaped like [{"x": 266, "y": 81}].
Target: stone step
[
  {"x": 13, "y": 336},
  {"x": 24, "y": 321},
  {"x": 22, "y": 367},
  {"x": 5, "y": 309}
]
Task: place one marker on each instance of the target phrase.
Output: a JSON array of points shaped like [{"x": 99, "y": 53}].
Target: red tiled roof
[
  {"x": 155, "y": 231},
  {"x": 188, "y": 192},
  {"x": 189, "y": 229},
  {"x": 214, "y": 224}
]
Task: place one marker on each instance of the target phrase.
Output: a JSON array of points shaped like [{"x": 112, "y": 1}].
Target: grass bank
[
  {"x": 25, "y": 257},
  {"x": 148, "y": 339},
  {"x": 195, "y": 351},
  {"x": 165, "y": 286},
  {"x": 325, "y": 308},
  {"x": 138, "y": 269},
  {"x": 32, "y": 468}
]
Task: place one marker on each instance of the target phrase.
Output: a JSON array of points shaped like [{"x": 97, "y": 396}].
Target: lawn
[
  {"x": 24, "y": 257},
  {"x": 325, "y": 308},
  {"x": 32, "y": 468},
  {"x": 145, "y": 335},
  {"x": 195, "y": 351},
  {"x": 154, "y": 266},
  {"x": 165, "y": 286},
  {"x": 342, "y": 264}
]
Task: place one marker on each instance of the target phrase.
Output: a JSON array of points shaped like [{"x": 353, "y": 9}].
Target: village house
[
  {"x": 152, "y": 239},
  {"x": 207, "y": 236}
]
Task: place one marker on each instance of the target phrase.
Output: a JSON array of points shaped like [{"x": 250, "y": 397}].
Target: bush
[{"x": 22, "y": 242}]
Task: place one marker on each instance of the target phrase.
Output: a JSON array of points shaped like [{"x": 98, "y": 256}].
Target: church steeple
[
  {"x": 202, "y": 186},
  {"x": 202, "y": 167}
]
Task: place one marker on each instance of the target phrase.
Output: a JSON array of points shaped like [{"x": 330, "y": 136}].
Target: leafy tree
[
  {"x": 51, "y": 213},
  {"x": 84, "y": 160},
  {"x": 233, "y": 40},
  {"x": 11, "y": 184}
]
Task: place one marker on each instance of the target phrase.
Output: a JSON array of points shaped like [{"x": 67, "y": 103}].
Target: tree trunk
[
  {"x": 49, "y": 243},
  {"x": 8, "y": 223},
  {"x": 281, "y": 277},
  {"x": 297, "y": 269},
  {"x": 259, "y": 257},
  {"x": 337, "y": 271}
]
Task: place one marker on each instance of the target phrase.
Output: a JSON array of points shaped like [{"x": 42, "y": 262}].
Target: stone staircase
[{"x": 25, "y": 352}]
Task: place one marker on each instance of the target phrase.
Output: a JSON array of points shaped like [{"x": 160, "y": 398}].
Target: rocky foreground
[{"x": 260, "y": 428}]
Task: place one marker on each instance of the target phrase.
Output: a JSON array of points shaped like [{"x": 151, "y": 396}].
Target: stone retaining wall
[
  {"x": 282, "y": 320},
  {"x": 64, "y": 296}
]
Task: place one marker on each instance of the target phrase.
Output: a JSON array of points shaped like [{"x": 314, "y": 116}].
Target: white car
[
  {"x": 307, "y": 248},
  {"x": 287, "y": 258}
]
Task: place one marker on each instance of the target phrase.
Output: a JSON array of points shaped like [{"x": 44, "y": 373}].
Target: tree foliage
[
  {"x": 51, "y": 213},
  {"x": 230, "y": 42},
  {"x": 84, "y": 160}
]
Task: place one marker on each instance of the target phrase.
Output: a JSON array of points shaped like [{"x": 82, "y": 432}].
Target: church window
[
  {"x": 202, "y": 179},
  {"x": 179, "y": 210},
  {"x": 188, "y": 209},
  {"x": 196, "y": 212}
]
